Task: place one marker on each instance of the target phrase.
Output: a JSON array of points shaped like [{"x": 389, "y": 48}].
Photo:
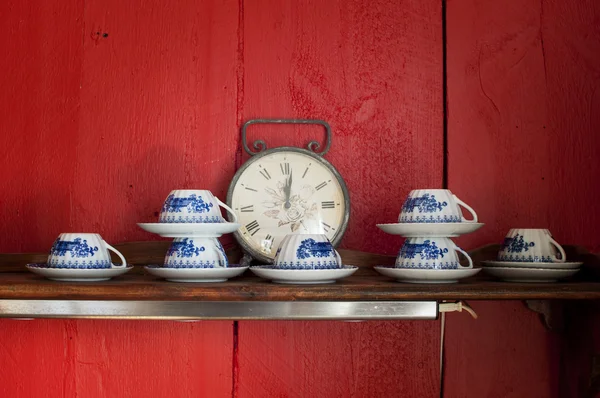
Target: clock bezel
[{"x": 257, "y": 255}]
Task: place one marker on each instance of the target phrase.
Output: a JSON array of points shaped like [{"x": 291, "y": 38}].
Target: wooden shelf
[
  {"x": 367, "y": 286},
  {"x": 365, "y": 295}
]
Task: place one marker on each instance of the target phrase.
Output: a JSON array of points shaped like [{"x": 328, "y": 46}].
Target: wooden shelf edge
[{"x": 366, "y": 285}]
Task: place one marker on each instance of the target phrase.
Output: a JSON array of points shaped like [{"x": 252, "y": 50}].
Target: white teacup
[
  {"x": 306, "y": 251},
  {"x": 193, "y": 206},
  {"x": 196, "y": 253},
  {"x": 531, "y": 245},
  {"x": 430, "y": 253},
  {"x": 434, "y": 206},
  {"x": 82, "y": 251}
]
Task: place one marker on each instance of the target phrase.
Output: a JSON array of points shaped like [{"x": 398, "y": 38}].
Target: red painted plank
[
  {"x": 526, "y": 114},
  {"x": 374, "y": 72},
  {"x": 42, "y": 61},
  {"x": 55, "y": 358},
  {"x": 523, "y": 142},
  {"x": 108, "y": 108},
  {"x": 159, "y": 105},
  {"x": 338, "y": 359},
  {"x": 505, "y": 353}
]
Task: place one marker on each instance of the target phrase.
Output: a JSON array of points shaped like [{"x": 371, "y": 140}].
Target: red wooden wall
[
  {"x": 108, "y": 105},
  {"x": 523, "y": 143}
]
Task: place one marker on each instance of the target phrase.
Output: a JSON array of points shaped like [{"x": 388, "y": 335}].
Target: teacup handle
[
  {"x": 229, "y": 209},
  {"x": 458, "y": 249},
  {"x": 563, "y": 256},
  {"x": 469, "y": 208},
  {"x": 118, "y": 253}
]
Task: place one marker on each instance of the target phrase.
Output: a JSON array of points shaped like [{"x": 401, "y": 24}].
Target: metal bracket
[
  {"x": 260, "y": 145},
  {"x": 551, "y": 313}
]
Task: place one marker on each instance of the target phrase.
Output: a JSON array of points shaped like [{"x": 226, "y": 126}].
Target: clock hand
[{"x": 288, "y": 191}]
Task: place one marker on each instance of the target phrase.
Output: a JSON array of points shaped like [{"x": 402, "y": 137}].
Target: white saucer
[
  {"x": 190, "y": 230},
  {"x": 303, "y": 276},
  {"x": 529, "y": 274},
  {"x": 77, "y": 275},
  {"x": 515, "y": 264},
  {"x": 204, "y": 275},
  {"x": 409, "y": 275},
  {"x": 433, "y": 230}
]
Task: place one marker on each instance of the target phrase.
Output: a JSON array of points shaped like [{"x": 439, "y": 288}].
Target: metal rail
[{"x": 220, "y": 310}]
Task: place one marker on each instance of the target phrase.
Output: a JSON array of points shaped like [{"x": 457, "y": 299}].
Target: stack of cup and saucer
[
  {"x": 80, "y": 257},
  {"x": 428, "y": 219},
  {"x": 193, "y": 218},
  {"x": 531, "y": 255},
  {"x": 192, "y": 213},
  {"x": 305, "y": 259}
]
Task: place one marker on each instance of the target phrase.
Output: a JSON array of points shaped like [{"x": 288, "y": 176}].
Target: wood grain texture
[
  {"x": 373, "y": 70},
  {"x": 105, "y": 117},
  {"x": 93, "y": 358},
  {"x": 40, "y": 103},
  {"x": 368, "y": 286},
  {"x": 523, "y": 121},
  {"x": 523, "y": 108},
  {"x": 333, "y": 359},
  {"x": 108, "y": 106},
  {"x": 505, "y": 353},
  {"x": 579, "y": 347},
  {"x": 365, "y": 284}
]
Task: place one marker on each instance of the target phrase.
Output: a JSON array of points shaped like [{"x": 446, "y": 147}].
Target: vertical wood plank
[
  {"x": 523, "y": 109},
  {"x": 92, "y": 358},
  {"x": 338, "y": 359},
  {"x": 158, "y": 109},
  {"x": 505, "y": 353},
  {"x": 109, "y": 106},
  {"x": 42, "y": 62},
  {"x": 374, "y": 72}
]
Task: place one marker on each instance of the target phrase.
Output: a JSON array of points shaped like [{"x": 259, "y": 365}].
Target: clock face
[{"x": 283, "y": 192}]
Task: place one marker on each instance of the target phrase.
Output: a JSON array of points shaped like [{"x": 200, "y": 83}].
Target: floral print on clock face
[{"x": 288, "y": 207}]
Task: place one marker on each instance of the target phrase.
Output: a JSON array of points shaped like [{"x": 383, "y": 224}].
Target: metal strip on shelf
[{"x": 225, "y": 310}]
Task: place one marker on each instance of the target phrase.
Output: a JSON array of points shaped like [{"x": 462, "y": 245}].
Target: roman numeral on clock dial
[
  {"x": 326, "y": 227},
  {"x": 321, "y": 185},
  {"x": 285, "y": 168},
  {"x": 329, "y": 204},
  {"x": 247, "y": 209},
  {"x": 265, "y": 174},
  {"x": 252, "y": 227}
]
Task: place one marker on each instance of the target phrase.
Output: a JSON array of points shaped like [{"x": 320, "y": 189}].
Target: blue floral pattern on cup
[
  {"x": 80, "y": 264},
  {"x": 427, "y": 250},
  {"x": 516, "y": 244},
  {"x": 311, "y": 248},
  {"x": 425, "y": 204},
  {"x": 193, "y": 203},
  {"x": 434, "y": 206},
  {"x": 189, "y": 209},
  {"x": 185, "y": 248},
  {"x": 306, "y": 251},
  {"x": 76, "y": 247},
  {"x": 318, "y": 264},
  {"x": 431, "y": 219},
  {"x": 83, "y": 252},
  {"x": 430, "y": 253},
  {"x": 196, "y": 253},
  {"x": 430, "y": 265}
]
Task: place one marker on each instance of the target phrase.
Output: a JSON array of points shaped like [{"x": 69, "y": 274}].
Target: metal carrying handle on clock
[{"x": 260, "y": 145}]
